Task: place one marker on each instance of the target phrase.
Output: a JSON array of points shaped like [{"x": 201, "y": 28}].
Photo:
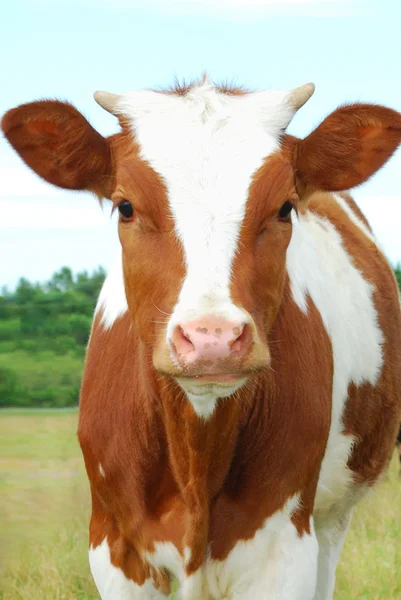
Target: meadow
[{"x": 45, "y": 512}]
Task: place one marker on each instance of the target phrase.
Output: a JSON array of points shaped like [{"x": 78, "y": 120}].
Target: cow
[{"x": 242, "y": 384}]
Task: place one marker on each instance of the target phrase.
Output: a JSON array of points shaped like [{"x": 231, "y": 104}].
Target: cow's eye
[
  {"x": 285, "y": 211},
  {"x": 125, "y": 209}
]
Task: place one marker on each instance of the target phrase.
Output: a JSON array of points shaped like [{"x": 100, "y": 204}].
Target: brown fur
[
  {"x": 58, "y": 143},
  {"x": 351, "y": 144}
]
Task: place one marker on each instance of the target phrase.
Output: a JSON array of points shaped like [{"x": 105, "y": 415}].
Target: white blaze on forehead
[{"x": 207, "y": 145}]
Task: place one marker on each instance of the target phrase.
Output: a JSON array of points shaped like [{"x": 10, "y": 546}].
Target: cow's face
[
  {"x": 207, "y": 187},
  {"x": 205, "y": 195}
]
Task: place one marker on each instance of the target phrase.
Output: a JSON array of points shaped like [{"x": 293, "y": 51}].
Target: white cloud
[
  {"x": 21, "y": 182},
  {"x": 52, "y": 212},
  {"x": 28, "y": 202}
]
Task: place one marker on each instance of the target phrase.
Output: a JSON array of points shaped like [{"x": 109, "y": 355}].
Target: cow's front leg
[{"x": 331, "y": 533}]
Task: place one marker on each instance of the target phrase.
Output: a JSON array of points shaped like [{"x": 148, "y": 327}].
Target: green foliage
[
  {"x": 9, "y": 387},
  {"x": 44, "y": 329},
  {"x": 9, "y": 329}
]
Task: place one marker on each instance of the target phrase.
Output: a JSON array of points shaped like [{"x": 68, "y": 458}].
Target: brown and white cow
[{"x": 242, "y": 387}]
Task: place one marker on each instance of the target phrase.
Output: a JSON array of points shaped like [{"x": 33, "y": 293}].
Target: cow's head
[{"x": 207, "y": 184}]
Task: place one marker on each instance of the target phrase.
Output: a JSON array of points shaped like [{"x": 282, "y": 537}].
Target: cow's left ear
[
  {"x": 55, "y": 140},
  {"x": 348, "y": 147}
]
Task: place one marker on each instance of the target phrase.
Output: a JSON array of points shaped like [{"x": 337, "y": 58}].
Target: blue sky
[{"x": 68, "y": 49}]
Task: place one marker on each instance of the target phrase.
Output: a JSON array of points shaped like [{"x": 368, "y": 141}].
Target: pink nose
[{"x": 210, "y": 339}]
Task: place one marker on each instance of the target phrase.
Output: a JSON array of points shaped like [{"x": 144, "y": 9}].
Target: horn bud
[
  {"x": 300, "y": 95},
  {"x": 107, "y": 101}
]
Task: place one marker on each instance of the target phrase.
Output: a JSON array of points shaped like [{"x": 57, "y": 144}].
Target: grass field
[{"x": 45, "y": 511}]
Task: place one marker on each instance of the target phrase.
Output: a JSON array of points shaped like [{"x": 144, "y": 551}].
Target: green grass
[{"x": 45, "y": 512}]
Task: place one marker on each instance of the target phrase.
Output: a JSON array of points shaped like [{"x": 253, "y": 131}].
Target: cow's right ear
[{"x": 58, "y": 143}]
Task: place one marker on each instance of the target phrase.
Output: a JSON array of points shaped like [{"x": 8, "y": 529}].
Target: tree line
[{"x": 44, "y": 329}]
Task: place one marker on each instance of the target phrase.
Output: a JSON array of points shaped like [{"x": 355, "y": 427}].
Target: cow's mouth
[
  {"x": 218, "y": 378},
  {"x": 218, "y": 385}
]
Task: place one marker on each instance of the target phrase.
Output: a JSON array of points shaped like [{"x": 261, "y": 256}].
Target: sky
[{"x": 68, "y": 49}]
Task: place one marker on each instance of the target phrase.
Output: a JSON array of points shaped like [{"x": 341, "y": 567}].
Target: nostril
[
  {"x": 181, "y": 342},
  {"x": 242, "y": 342}
]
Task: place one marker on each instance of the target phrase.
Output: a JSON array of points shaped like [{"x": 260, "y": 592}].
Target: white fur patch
[
  {"x": 276, "y": 564},
  {"x": 101, "y": 471},
  {"x": 111, "y": 582},
  {"x": 319, "y": 266},
  {"x": 112, "y": 302},
  {"x": 203, "y": 405}
]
